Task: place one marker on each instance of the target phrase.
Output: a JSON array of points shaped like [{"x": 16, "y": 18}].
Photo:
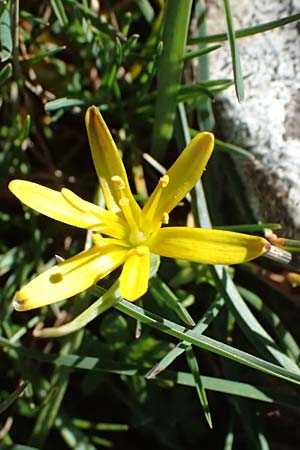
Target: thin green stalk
[
  {"x": 169, "y": 73},
  {"x": 249, "y": 31}
]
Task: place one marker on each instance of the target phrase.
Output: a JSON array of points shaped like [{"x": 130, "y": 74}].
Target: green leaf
[
  {"x": 59, "y": 11},
  {"x": 201, "y": 52},
  {"x": 63, "y": 103},
  {"x": 163, "y": 293},
  {"x": 42, "y": 55},
  {"x": 207, "y": 343},
  {"x": 5, "y": 32},
  {"x": 193, "y": 365},
  {"x": 5, "y": 73},
  {"x": 91, "y": 363},
  {"x": 12, "y": 397},
  {"x": 181, "y": 347},
  {"x": 249, "y": 31},
  {"x": 250, "y": 227},
  {"x": 284, "y": 337},
  {"x": 235, "y": 56}
]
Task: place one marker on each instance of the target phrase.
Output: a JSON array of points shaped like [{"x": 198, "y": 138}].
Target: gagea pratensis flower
[{"x": 124, "y": 233}]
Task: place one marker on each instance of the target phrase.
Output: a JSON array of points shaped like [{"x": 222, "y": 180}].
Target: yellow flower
[{"x": 130, "y": 233}]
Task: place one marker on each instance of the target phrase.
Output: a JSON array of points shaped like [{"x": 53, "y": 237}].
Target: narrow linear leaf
[
  {"x": 283, "y": 336},
  {"x": 207, "y": 343},
  {"x": 250, "y": 227},
  {"x": 181, "y": 347},
  {"x": 59, "y": 11},
  {"x": 12, "y": 397},
  {"x": 106, "y": 301},
  {"x": 201, "y": 52},
  {"x": 5, "y": 32},
  {"x": 161, "y": 291},
  {"x": 42, "y": 55},
  {"x": 249, "y": 31},
  {"x": 235, "y": 56},
  {"x": 79, "y": 362},
  {"x": 193, "y": 365},
  {"x": 5, "y": 73},
  {"x": 63, "y": 102}
]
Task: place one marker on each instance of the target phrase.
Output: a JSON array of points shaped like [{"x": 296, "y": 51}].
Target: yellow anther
[
  {"x": 118, "y": 181},
  {"x": 164, "y": 181},
  {"x": 165, "y": 218}
]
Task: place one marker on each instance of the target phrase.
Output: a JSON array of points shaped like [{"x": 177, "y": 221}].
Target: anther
[
  {"x": 164, "y": 181},
  {"x": 118, "y": 181},
  {"x": 165, "y": 218}
]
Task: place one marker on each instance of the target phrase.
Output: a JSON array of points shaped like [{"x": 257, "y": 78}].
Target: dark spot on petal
[{"x": 56, "y": 278}]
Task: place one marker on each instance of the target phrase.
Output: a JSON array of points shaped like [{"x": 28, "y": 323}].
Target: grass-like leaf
[
  {"x": 91, "y": 363},
  {"x": 235, "y": 56},
  {"x": 6, "y": 31},
  {"x": 248, "y": 31}
]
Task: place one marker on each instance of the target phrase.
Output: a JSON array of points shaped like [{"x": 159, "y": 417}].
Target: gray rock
[{"x": 268, "y": 121}]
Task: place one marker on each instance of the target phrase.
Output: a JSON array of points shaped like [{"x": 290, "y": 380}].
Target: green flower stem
[{"x": 169, "y": 72}]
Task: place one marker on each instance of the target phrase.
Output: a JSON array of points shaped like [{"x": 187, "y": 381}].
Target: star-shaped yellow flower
[{"x": 125, "y": 234}]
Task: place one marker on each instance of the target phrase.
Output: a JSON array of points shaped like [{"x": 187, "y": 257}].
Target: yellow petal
[
  {"x": 67, "y": 207},
  {"x": 70, "y": 277},
  {"x": 135, "y": 274},
  {"x": 107, "y": 161},
  {"x": 183, "y": 175},
  {"x": 207, "y": 246}
]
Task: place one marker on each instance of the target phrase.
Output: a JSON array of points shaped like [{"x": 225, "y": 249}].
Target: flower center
[{"x": 136, "y": 236}]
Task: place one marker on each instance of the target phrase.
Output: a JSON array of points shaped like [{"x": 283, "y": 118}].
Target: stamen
[
  {"x": 164, "y": 181},
  {"x": 118, "y": 181},
  {"x": 126, "y": 210},
  {"x": 165, "y": 218},
  {"x": 150, "y": 211}
]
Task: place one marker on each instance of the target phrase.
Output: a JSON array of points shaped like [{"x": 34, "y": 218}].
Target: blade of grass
[
  {"x": 79, "y": 362},
  {"x": 12, "y": 397},
  {"x": 59, "y": 11},
  {"x": 194, "y": 367},
  {"x": 159, "y": 289},
  {"x": 5, "y": 73},
  {"x": 235, "y": 56},
  {"x": 204, "y": 111},
  {"x": 250, "y": 227},
  {"x": 173, "y": 329},
  {"x": 248, "y": 31},
  {"x": 201, "y": 52},
  {"x": 6, "y": 31},
  {"x": 63, "y": 103},
  {"x": 181, "y": 347},
  {"x": 284, "y": 337}
]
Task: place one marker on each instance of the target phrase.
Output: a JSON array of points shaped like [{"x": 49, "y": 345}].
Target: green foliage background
[{"x": 139, "y": 375}]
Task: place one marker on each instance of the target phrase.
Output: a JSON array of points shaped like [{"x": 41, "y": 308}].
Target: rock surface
[{"x": 268, "y": 121}]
